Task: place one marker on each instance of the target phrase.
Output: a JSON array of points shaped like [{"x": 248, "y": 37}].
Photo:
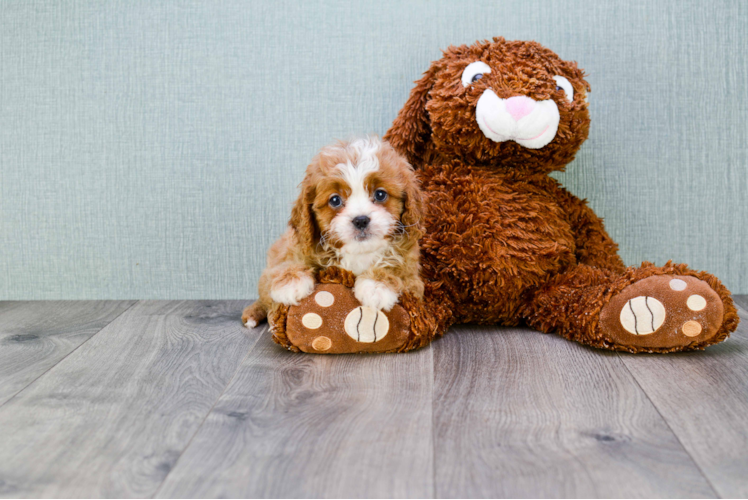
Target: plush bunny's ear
[
  {"x": 411, "y": 129},
  {"x": 302, "y": 216}
]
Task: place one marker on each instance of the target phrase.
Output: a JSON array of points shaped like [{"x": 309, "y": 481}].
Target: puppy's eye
[
  {"x": 335, "y": 201},
  {"x": 474, "y": 72},
  {"x": 380, "y": 195},
  {"x": 565, "y": 85}
]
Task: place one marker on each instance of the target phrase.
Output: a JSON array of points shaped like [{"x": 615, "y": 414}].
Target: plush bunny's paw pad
[
  {"x": 663, "y": 312},
  {"x": 331, "y": 320}
]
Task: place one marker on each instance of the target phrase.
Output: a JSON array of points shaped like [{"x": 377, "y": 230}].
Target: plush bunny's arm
[{"x": 594, "y": 247}]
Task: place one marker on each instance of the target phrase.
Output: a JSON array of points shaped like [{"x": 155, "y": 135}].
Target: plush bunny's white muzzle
[{"x": 528, "y": 122}]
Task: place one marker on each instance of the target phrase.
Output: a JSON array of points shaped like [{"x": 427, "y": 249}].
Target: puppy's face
[
  {"x": 360, "y": 198},
  {"x": 361, "y": 194}
]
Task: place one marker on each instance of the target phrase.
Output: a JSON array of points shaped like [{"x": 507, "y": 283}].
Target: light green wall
[{"x": 152, "y": 149}]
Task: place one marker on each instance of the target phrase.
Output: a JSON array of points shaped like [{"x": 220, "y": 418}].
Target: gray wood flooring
[{"x": 176, "y": 399}]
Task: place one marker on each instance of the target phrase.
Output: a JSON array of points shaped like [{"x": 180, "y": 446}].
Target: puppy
[{"x": 360, "y": 208}]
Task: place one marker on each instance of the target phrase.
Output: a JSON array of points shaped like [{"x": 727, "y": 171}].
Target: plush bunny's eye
[
  {"x": 474, "y": 72},
  {"x": 565, "y": 85}
]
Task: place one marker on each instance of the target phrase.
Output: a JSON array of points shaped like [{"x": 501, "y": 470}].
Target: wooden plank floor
[{"x": 176, "y": 399}]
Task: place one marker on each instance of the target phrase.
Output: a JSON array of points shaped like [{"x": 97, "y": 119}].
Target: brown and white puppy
[{"x": 360, "y": 208}]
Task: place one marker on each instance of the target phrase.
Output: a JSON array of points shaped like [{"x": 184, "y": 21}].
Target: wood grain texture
[
  {"x": 704, "y": 398},
  {"x": 165, "y": 401},
  {"x": 111, "y": 419},
  {"x": 34, "y": 336},
  {"x": 303, "y": 425},
  {"x": 742, "y": 302},
  {"x": 521, "y": 414}
]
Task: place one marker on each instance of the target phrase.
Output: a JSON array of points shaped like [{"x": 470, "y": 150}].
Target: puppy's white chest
[{"x": 360, "y": 262}]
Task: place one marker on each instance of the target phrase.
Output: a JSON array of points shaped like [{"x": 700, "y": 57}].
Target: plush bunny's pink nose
[{"x": 519, "y": 106}]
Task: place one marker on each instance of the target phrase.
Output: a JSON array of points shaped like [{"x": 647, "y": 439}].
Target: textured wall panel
[{"x": 152, "y": 149}]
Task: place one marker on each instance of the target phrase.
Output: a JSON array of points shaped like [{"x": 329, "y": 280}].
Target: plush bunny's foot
[
  {"x": 663, "y": 312},
  {"x": 332, "y": 321}
]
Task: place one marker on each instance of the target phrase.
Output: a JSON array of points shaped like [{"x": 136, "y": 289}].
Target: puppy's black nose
[{"x": 360, "y": 222}]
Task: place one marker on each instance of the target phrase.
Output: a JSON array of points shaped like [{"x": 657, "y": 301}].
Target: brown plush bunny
[{"x": 505, "y": 244}]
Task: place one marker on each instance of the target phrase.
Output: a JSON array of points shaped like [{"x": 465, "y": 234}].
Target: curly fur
[
  {"x": 312, "y": 242},
  {"x": 504, "y": 242},
  {"x": 424, "y": 324}
]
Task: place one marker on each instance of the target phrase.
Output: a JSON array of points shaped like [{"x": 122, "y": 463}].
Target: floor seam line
[
  {"x": 433, "y": 420},
  {"x": 677, "y": 437},
  {"x": 71, "y": 352},
  {"x": 207, "y": 414}
]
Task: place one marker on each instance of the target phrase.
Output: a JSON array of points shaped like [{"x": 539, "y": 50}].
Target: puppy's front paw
[
  {"x": 374, "y": 294},
  {"x": 292, "y": 291}
]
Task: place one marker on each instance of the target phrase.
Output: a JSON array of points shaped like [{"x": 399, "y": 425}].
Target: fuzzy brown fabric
[
  {"x": 504, "y": 242},
  {"x": 277, "y": 317},
  {"x": 419, "y": 325}
]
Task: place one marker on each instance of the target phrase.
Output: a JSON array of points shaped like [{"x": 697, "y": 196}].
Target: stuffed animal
[{"x": 504, "y": 243}]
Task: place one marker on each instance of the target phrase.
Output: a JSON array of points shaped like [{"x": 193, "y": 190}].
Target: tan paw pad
[
  {"x": 365, "y": 324},
  {"x": 677, "y": 284},
  {"x": 324, "y": 299},
  {"x": 311, "y": 321},
  {"x": 696, "y": 302},
  {"x": 691, "y": 328},
  {"x": 642, "y": 315},
  {"x": 322, "y": 343},
  {"x": 663, "y": 311},
  {"x": 332, "y": 321}
]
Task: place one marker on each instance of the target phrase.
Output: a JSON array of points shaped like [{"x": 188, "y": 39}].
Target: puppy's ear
[
  {"x": 302, "y": 220},
  {"x": 414, "y": 208},
  {"x": 411, "y": 129}
]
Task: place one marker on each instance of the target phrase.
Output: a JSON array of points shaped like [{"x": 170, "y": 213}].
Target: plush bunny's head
[{"x": 511, "y": 105}]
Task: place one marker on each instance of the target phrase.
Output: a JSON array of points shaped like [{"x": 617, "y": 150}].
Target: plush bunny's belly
[{"x": 490, "y": 240}]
